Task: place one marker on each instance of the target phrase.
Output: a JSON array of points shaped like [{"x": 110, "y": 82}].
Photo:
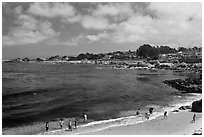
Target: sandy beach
[{"x": 177, "y": 123}]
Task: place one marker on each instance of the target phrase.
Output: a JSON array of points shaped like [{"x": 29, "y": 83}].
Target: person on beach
[
  {"x": 61, "y": 123},
  {"x": 146, "y": 115},
  {"x": 47, "y": 126},
  {"x": 138, "y": 112},
  {"x": 70, "y": 125},
  {"x": 151, "y": 110},
  {"x": 165, "y": 114},
  {"x": 85, "y": 117},
  {"x": 75, "y": 122},
  {"x": 194, "y": 116}
]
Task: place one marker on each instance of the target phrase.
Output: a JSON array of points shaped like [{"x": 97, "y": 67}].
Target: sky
[{"x": 47, "y": 29}]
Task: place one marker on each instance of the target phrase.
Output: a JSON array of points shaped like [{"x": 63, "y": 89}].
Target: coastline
[{"x": 177, "y": 123}]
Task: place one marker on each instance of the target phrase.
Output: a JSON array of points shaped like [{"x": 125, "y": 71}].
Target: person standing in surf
[
  {"x": 47, "y": 126},
  {"x": 146, "y": 115},
  {"x": 75, "y": 122},
  {"x": 70, "y": 125},
  {"x": 61, "y": 123},
  {"x": 194, "y": 116},
  {"x": 165, "y": 114},
  {"x": 85, "y": 117},
  {"x": 138, "y": 112}
]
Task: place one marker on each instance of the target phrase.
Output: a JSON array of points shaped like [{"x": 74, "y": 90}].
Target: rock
[
  {"x": 175, "y": 110},
  {"x": 188, "y": 107},
  {"x": 188, "y": 85},
  {"x": 182, "y": 108},
  {"x": 197, "y": 106},
  {"x": 198, "y": 132}
]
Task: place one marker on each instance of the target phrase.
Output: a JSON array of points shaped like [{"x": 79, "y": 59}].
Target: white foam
[{"x": 130, "y": 120}]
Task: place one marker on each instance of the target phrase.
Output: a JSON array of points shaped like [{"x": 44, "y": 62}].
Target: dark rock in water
[
  {"x": 182, "y": 108},
  {"x": 175, "y": 110},
  {"x": 197, "y": 106},
  {"x": 188, "y": 107},
  {"x": 198, "y": 132},
  {"x": 188, "y": 85}
]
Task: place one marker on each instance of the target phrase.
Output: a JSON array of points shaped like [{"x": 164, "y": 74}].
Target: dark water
[{"x": 39, "y": 92}]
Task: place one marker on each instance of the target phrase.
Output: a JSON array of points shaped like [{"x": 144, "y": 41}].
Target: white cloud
[
  {"x": 51, "y": 10},
  {"x": 178, "y": 11},
  {"x": 122, "y": 22},
  {"x": 93, "y": 37},
  {"x": 91, "y": 22},
  {"x": 106, "y": 9},
  {"x": 170, "y": 26},
  {"x": 29, "y": 31}
]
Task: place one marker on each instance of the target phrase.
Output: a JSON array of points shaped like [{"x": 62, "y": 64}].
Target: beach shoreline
[{"x": 177, "y": 123}]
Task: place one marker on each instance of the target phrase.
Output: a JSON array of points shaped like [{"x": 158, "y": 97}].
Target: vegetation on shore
[{"x": 145, "y": 51}]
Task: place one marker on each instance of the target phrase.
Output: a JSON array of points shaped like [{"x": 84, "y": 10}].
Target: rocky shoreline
[{"x": 188, "y": 85}]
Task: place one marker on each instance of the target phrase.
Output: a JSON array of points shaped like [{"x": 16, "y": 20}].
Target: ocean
[{"x": 39, "y": 92}]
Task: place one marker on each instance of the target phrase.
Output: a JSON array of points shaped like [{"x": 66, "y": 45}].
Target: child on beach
[
  {"x": 47, "y": 126},
  {"x": 85, "y": 117},
  {"x": 70, "y": 125},
  {"x": 75, "y": 122},
  {"x": 193, "y": 121},
  {"x": 138, "y": 112},
  {"x": 61, "y": 123},
  {"x": 151, "y": 110},
  {"x": 165, "y": 114},
  {"x": 146, "y": 115}
]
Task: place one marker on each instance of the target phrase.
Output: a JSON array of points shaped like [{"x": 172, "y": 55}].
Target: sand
[{"x": 177, "y": 123}]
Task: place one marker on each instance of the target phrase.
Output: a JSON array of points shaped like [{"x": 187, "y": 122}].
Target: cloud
[
  {"x": 103, "y": 35},
  {"x": 93, "y": 37},
  {"x": 106, "y": 9},
  {"x": 98, "y": 23},
  {"x": 154, "y": 23},
  {"x": 29, "y": 31},
  {"x": 179, "y": 11},
  {"x": 169, "y": 26},
  {"x": 51, "y": 10},
  {"x": 74, "y": 41}
]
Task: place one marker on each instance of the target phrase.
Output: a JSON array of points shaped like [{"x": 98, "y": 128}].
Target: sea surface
[{"x": 39, "y": 92}]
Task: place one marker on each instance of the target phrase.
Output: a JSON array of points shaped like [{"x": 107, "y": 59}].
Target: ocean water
[{"x": 37, "y": 92}]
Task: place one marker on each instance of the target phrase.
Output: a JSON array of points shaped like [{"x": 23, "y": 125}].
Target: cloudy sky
[{"x": 45, "y": 29}]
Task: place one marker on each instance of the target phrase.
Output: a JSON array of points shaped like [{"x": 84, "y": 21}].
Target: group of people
[
  {"x": 70, "y": 128},
  {"x": 85, "y": 117},
  {"x": 147, "y": 115},
  {"x": 165, "y": 114}
]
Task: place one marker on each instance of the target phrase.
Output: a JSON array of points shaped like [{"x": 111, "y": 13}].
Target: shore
[{"x": 177, "y": 123}]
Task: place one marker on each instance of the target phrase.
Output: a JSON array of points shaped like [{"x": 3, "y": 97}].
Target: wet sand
[{"x": 177, "y": 123}]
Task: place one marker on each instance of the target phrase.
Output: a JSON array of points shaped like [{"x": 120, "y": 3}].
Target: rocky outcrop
[
  {"x": 188, "y": 85},
  {"x": 197, "y": 106},
  {"x": 184, "y": 107}
]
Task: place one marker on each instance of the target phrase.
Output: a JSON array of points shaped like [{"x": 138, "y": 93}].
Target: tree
[
  {"x": 182, "y": 49},
  {"x": 147, "y": 51}
]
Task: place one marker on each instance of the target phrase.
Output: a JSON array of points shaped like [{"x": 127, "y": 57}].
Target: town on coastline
[{"x": 145, "y": 57}]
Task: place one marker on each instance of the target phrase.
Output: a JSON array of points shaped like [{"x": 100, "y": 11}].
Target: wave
[{"x": 131, "y": 120}]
